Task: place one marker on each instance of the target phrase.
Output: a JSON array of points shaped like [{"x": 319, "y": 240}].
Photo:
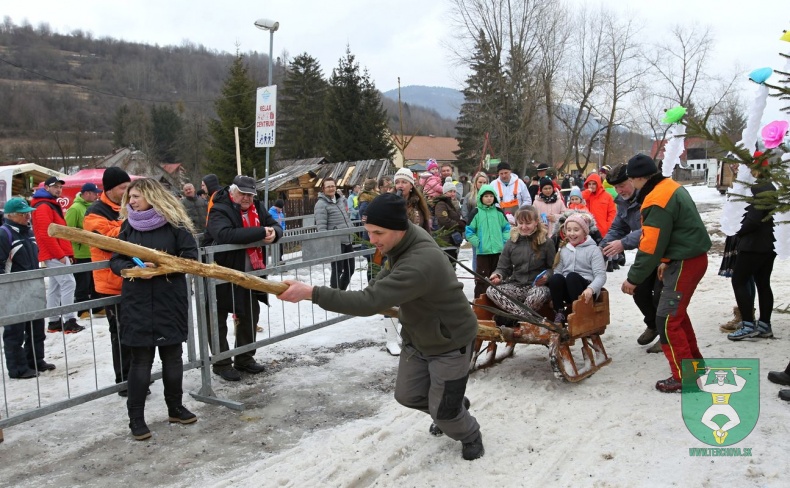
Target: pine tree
[
  {"x": 355, "y": 123},
  {"x": 301, "y": 110},
  {"x": 236, "y": 108},
  {"x": 481, "y": 102},
  {"x": 166, "y": 127},
  {"x": 733, "y": 122},
  {"x": 120, "y": 123}
]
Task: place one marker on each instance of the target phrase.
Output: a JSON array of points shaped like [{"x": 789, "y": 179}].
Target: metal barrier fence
[{"x": 84, "y": 361}]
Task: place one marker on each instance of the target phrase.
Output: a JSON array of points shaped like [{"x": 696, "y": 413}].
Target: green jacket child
[
  {"x": 489, "y": 229},
  {"x": 487, "y": 233}
]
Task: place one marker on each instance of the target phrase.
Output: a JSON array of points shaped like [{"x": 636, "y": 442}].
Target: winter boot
[
  {"x": 180, "y": 414},
  {"x": 764, "y": 330},
  {"x": 735, "y": 322},
  {"x": 784, "y": 395},
  {"x": 669, "y": 385},
  {"x": 746, "y": 331},
  {"x": 655, "y": 348},
  {"x": 647, "y": 336},
  {"x": 473, "y": 450},
  {"x": 779, "y": 377},
  {"x": 393, "y": 339},
  {"x": 140, "y": 431}
]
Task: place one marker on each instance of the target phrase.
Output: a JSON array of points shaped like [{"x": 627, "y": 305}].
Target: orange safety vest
[{"x": 511, "y": 203}]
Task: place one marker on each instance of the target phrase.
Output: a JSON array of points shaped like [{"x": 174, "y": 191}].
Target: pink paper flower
[{"x": 774, "y": 133}]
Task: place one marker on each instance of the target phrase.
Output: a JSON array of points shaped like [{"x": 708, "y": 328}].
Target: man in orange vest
[{"x": 512, "y": 192}]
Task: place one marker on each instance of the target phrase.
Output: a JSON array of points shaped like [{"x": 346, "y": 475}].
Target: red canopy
[{"x": 74, "y": 184}]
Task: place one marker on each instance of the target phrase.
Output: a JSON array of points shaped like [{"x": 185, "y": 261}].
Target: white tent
[{"x": 21, "y": 179}]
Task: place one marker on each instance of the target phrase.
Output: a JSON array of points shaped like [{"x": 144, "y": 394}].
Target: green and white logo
[{"x": 721, "y": 399}]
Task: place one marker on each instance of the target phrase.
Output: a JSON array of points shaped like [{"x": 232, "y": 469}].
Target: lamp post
[{"x": 271, "y": 26}]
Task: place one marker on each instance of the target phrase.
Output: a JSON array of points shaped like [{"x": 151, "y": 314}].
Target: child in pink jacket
[{"x": 431, "y": 181}]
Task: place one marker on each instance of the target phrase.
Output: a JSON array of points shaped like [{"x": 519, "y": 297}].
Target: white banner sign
[{"x": 265, "y": 116}]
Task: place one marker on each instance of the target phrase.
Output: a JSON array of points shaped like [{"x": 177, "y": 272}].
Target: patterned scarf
[
  {"x": 548, "y": 199},
  {"x": 250, "y": 219},
  {"x": 146, "y": 220}
]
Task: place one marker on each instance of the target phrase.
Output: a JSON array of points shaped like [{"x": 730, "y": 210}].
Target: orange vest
[{"x": 511, "y": 203}]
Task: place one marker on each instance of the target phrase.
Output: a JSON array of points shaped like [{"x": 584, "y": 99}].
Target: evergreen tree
[
  {"x": 236, "y": 108},
  {"x": 481, "y": 106},
  {"x": 120, "y": 123},
  {"x": 301, "y": 110},
  {"x": 355, "y": 126},
  {"x": 733, "y": 122},
  {"x": 166, "y": 127}
]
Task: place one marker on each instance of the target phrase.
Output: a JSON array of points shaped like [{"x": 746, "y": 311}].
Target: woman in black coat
[
  {"x": 755, "y": 261},
  {"x": 155, "y": 309}
]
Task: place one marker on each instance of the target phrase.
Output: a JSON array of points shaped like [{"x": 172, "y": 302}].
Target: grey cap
[{"x": 246, "y": 184}]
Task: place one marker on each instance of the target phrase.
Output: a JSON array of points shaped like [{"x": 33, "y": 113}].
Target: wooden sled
[{"x": 586, "y": 324}]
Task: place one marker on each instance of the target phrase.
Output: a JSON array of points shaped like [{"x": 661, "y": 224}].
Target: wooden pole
[
  {"x": 238, "y": 150},
  {"x": 172, "y": 264}
]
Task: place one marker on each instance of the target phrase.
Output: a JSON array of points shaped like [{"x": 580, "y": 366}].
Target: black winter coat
[
  {"x": 757, "y": 235},
  {"x": 20, "y": 251},
  {"x": 154, "y": 310},
  {"x": 226, "y": 227}
]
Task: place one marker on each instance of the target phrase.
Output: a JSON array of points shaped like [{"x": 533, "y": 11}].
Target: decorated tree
[{"x": 763, "y": 156}]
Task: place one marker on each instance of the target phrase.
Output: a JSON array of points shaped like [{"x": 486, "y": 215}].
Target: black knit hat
[
  {"x": 388, "y": 211},
  {"x": 114, "y": 176},
  {"x": 617, "y": 175},
  {"x": 545, "y": 181},
  {"x": 279, "y": 203},
  {"x": 212, "y": 183},
  {"x": 502, "y": 165},
  {"x": 640, "y": 166}
]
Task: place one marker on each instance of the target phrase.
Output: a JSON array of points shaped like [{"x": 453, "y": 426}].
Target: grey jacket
[
  {"x": 197, "y": 209},
  {"x": 627, "y": 224},
  {"x": 434, "y": 311},
  {"x": 519, "y": 264},
  {"x": 332, "y": 215},
  {"x": 585, "y": 259}
]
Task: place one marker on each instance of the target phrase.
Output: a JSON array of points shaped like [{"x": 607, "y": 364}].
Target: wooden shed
[{"x": 303, "y": 178}]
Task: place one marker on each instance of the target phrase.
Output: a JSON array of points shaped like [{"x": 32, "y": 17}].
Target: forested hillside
[{"x": 65, "y": 95}]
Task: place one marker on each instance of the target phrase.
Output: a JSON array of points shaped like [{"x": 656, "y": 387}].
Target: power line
[{"x": 115, "y": 95}]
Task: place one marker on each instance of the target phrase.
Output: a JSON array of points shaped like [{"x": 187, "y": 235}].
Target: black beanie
[
  {"x": 388, "y": 211},
  {"x": 617, "y": 175},
  {"x": 545, "y": 181},
  {"x": 114, "y": 176},
  {"x": 212, "y": 183},
  {"x": 279, "y": 203},
  {"x": 641, "y": 166}
]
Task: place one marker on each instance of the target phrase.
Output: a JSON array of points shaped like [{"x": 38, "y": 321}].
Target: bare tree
[
  {"x": 625, "y": 74},
  {"x": 584, "y": 81}
]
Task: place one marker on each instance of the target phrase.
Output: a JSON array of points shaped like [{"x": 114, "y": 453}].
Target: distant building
[{"x": 423, "y": 148}]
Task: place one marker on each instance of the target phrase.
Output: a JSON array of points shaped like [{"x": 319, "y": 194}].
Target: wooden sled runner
[{"x": 586, "y": 324}]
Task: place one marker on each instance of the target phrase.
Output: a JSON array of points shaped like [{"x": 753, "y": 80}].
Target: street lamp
[{"x": 271, "y": 26}]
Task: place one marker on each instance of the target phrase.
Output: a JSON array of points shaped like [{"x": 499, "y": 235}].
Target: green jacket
[
  {"x": 672, "y": 229},
  {"x": 434, "y": 311},
  {"x": 74, "y": 217},
  {"x": 489, "y": 229}
]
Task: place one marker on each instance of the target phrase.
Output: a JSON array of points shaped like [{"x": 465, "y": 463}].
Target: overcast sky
[{"x": 406, "y": 38}]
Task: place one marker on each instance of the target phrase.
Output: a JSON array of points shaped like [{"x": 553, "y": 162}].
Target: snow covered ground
[{"x": 323, "y": 414}]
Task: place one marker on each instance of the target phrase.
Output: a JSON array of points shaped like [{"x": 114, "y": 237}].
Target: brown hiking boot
[{"x": 734, "y": 324}]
